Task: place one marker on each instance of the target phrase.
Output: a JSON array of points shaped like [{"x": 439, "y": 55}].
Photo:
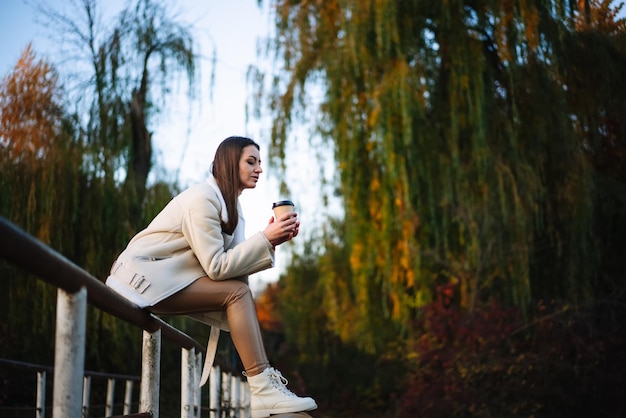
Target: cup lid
[{"x": 282, "y": 203}]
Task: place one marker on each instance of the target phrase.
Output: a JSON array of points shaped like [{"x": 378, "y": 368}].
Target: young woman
[{"x": 193, "y": 259}]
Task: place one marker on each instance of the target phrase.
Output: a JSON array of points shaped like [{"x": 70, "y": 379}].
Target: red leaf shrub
[{"x": 491, "y": 363}]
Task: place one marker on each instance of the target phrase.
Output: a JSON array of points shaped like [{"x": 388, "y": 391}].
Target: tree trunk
[{"x": 140, "y": 156}]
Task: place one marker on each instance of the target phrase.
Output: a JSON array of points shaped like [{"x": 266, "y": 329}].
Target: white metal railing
[
  {"x": 111, "y": 379},
  {"x": 229, "y": 395},
  {"x": 76, "y": 288}
]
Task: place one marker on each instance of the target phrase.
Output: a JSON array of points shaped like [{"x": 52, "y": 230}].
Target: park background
[{"x": 459, "y": 166}]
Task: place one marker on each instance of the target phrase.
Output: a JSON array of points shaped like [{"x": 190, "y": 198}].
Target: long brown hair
[{"x": 225, "y": 169}]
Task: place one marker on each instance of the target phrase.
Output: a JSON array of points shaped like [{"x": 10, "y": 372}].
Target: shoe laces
[{"x": 280, "y": 382}]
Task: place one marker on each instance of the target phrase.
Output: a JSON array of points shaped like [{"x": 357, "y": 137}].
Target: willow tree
[
  {"x": 37, "y": 152},
  {"x": 126, "y": 71},
  {"x": 74, "y": 161},
  {"x": 459, "y": 131}
]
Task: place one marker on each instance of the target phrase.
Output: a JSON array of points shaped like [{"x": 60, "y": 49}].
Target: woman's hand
[{"x": 282, "y": 229}]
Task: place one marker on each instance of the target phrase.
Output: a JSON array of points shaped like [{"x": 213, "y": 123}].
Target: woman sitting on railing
[{"x": 193, "y": 259}]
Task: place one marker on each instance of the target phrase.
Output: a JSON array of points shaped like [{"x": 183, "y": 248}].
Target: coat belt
[
  {"x": 134, "y": 280},
  {"x": 211, "y": 349}
]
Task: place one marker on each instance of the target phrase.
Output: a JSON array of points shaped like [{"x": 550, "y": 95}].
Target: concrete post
[
  {"x": 215, "y": 384},
  {"x": 188, "y": 359},
  {"x": 150, "y": 373},
  {"x": 69, "y": 356}
]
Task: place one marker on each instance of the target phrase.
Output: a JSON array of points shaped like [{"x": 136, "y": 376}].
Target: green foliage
[
  {"x": 345, "y": 380},
  {"x": 299, "y": 300},
  {"x": 69, "y": 177},
  {"x": 479, "y": 151},
  {"x": 564, "y": 361},
  {"x": 468, "y": 137}
]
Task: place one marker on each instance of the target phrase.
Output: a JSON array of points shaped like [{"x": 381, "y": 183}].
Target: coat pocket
[{"x": 150, "y": 257}]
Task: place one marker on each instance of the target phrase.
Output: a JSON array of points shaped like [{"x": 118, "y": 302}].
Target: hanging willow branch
[{"x": 453, "y": 135}]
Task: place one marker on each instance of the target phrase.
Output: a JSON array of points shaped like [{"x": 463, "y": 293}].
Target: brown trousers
[{"x": 233, "y": 296}]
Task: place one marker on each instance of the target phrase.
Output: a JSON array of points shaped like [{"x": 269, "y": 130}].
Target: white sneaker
[{"x": 271, "y": 396}]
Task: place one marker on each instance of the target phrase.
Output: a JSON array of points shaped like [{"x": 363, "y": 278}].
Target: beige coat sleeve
[{"x": 201, "y": 227}]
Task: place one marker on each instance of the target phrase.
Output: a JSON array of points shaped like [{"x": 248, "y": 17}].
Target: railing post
[
  {"x": 108, "y": 408},
  {"x": 74, "y": 283},
  {"x": 69, "y": 357},
  {"x": 197, "y": 399},
  {"x": 235, "y": 396},
  {"x": 128, "y": 397},
  {"x": 188, "y": 359},
  {"x": 86, "y": 394},
  {"x": 150, "y": 373},
  {"x": 245, "y": 399},
  {"x": 41, "y": 394},
  {"x": 215, "y": 385},
  {"x": 227, "y": 397}
]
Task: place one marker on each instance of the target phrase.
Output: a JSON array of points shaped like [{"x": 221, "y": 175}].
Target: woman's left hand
[{"x": 283, "y": 229}]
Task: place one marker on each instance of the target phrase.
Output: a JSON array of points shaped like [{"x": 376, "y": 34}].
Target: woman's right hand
[{"x": 282, "y": 229}]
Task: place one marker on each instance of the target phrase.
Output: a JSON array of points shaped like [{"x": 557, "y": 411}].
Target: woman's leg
[{"x": 233, "y": 296}]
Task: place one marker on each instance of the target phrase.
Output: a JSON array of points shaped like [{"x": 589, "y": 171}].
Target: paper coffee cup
[{"x": 282, "y": 207}]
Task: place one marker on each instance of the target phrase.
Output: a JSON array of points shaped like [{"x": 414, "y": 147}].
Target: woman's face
[{"x": 249, "y": 167}]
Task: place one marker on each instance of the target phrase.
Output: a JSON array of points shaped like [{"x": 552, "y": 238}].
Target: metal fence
[
  {"x": 40, "y": 408},
  {"x": 228, "y": 395}
]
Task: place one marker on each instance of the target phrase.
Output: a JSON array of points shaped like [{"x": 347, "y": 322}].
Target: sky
[{"x": 188, "y": 133}]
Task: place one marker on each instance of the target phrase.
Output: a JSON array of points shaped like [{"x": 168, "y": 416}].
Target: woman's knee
[{"x": 239, "y": 290}]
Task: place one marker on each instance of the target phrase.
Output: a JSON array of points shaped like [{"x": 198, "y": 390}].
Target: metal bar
[
  {"x": 186, "y": 383},
  {"x": 41, "y": 394},
  {"x": 20, "y": 248},
  {"x": 247, "y": 412},
  {"x": 150, "y": 373},
  {"x": 86, "y": 395},
  {"x": 115, "y": 376},
  {"x": 214, "y": 392},
  {"x": 27, "y": 366},
  {"x": 110, "y": 401},
  {"x": 227, "y": 397},
  {"x": 76, "y": 288},
  {"x": 235, "y": 396},
  {"x": 128, "y": 397},
  {"x": 197, "y": 398},
  {"x": 69, "y": 359}
]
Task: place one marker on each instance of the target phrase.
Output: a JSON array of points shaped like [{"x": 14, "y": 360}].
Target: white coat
[{"x": 185, "y": 242}]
